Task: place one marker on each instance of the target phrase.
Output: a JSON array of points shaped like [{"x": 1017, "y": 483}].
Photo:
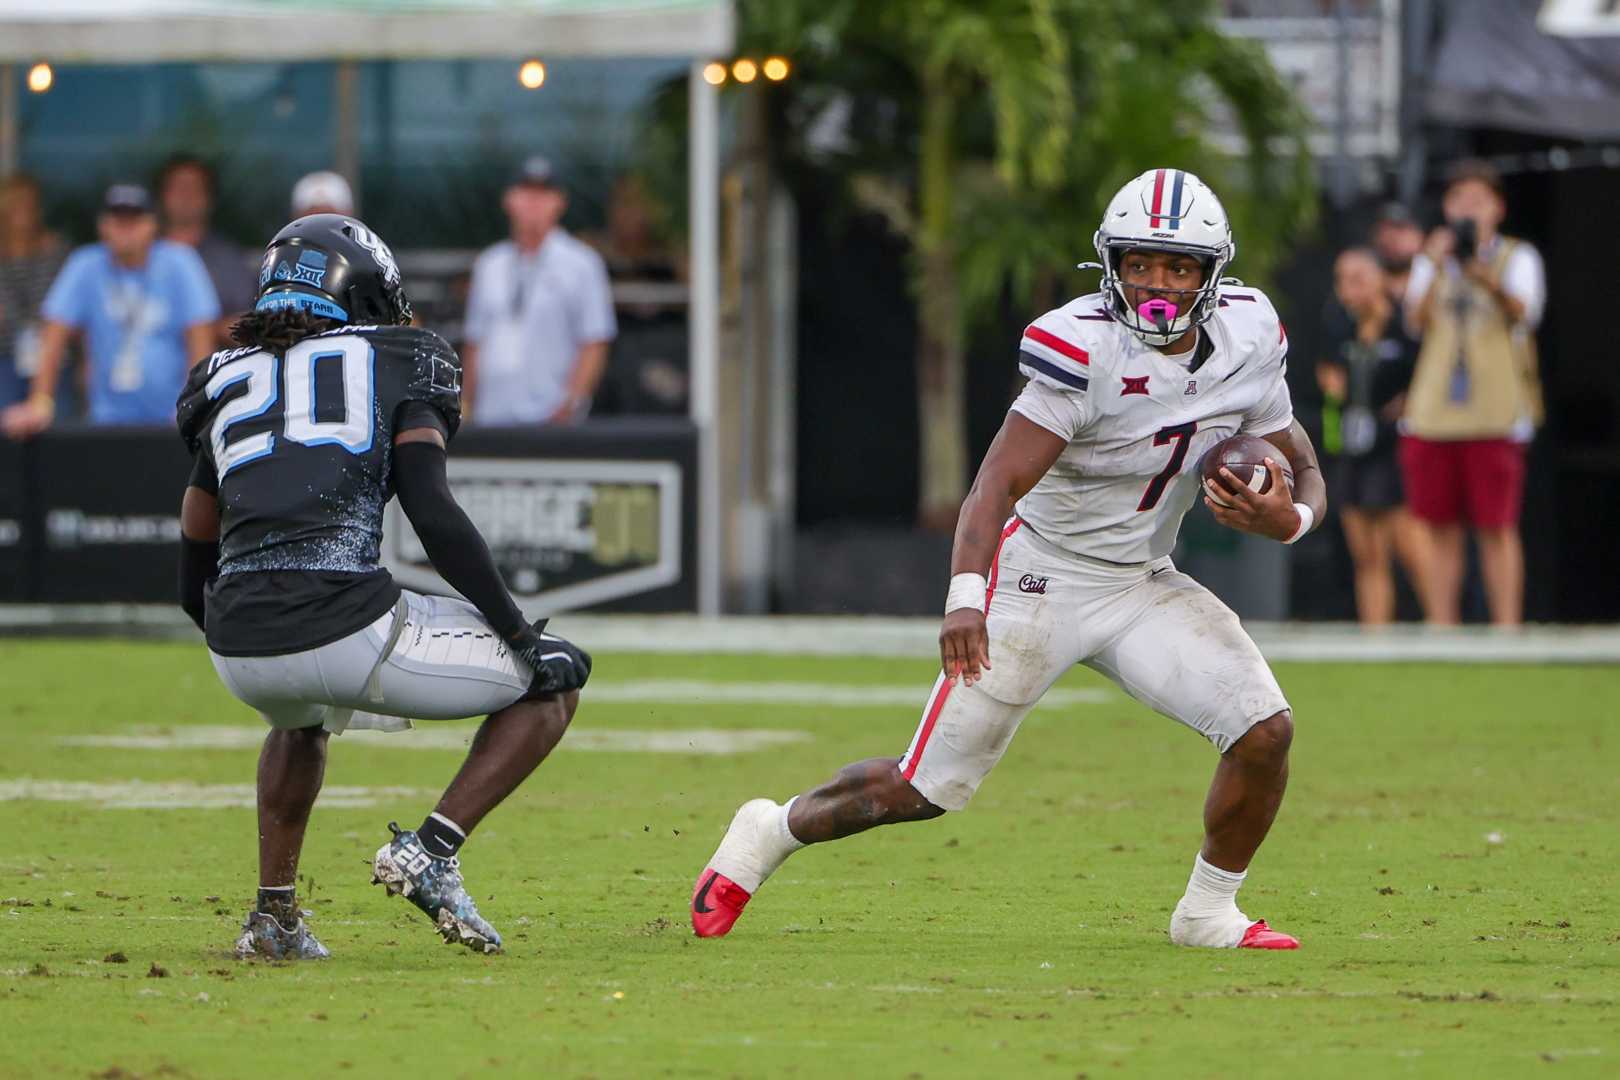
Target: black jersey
[{"x": 298, "y": 446}]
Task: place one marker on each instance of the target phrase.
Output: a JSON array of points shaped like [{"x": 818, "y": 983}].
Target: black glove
[{"x": 559, "y": 665}]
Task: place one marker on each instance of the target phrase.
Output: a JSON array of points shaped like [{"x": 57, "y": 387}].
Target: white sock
[
  {"x": 758, "y": 842},
  {"x": 789, "y": 841},
  {"x": 1208, "y": 914},
  {"x": 1210, "y": 890}
]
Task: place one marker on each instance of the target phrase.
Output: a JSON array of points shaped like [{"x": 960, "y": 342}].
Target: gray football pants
[{"x": 429, "y": 658}]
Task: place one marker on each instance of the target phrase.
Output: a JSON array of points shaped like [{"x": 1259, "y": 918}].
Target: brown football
[{"x": 1245, "y": 456}]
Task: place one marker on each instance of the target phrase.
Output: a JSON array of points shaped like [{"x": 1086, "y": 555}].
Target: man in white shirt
[{"x": 539, "y": 314}]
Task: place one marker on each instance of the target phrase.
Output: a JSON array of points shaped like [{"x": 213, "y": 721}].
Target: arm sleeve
[
  {"x": 68, "y": 300},
  {"x": 199, "y": 565},
  {"x": 1060, "y": 413},
  {"x": 199, "y": 559},
  {"x": 449, "y": 537},
  {"x": 596, "y": 319}
]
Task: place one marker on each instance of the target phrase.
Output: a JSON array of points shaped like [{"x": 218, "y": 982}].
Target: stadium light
[
  {"x": 532, "y": 75},
  {"x": 40, "y": 78},
  {"x": 714, "y": 74},
  {"x": 744, "y": 70},
  {"x": 776, "y": 68}
]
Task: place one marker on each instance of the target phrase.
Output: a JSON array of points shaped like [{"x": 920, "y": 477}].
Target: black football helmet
[{"x": 332, "y": 266}]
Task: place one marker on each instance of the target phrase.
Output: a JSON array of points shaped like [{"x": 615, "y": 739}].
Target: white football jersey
[{"x": 1138, "y": 421}]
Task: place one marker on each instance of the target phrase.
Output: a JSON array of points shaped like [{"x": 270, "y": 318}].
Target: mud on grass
[{"x": 1448, "y": 853}]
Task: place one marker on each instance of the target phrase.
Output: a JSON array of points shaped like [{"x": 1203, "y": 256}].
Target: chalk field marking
[
  {"x": 677, "y": 741},
  {"x": 918, "y": 637},
  {"x": 823, "y": 695},
  {"x": 718, "y": 741},
  {"x": 181, "y": 795}
]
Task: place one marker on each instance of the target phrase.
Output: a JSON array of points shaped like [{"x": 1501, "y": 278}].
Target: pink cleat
[
  {"x": 717, "y": 901},
  {"x": 1261, "y": 936}
]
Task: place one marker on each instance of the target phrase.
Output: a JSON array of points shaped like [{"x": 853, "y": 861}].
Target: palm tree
[{"x": 990, "y": 133}]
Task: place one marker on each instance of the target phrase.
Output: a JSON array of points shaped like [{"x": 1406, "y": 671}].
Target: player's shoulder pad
[
  {"x": 1250, "y": 317},
  {"x": 1057, "y": 348},
  {"x": 428, "y": 368},
  {"x": 191, "y": 407}
]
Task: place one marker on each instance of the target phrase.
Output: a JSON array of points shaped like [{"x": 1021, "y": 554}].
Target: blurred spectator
[
  {"x": 539, "y": 314},
  {"x": 1397, "y": 238},
  {"x": 630, "y": 242},
  {"x": 1364, "y": 375},
  {"x": 1475, "y": 297},
  {"x": 147, "y": 313},
  {"x": 30, "y": 256},
  {"x": 322, "y": 193},
  {"x": 186, "y": 188},
  {"x": 647, "y": 370}
]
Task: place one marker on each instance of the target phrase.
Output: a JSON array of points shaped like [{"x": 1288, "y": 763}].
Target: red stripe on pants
[
  {"x": 995, "y": 563},
  {"x": 934, "y": 708},
  {"x": 944, "y": 690}
]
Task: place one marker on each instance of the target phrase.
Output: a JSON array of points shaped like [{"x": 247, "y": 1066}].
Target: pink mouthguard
[{"x": 1159, "y": 312}]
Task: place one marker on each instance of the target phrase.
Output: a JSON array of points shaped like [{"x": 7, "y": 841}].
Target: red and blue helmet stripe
[{"x": 1176, "y": 179}]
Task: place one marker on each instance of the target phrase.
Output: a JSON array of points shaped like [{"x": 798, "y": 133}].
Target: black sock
[
  {"x": 440, "y": 836},
  {"x": 280, "y": 903}
]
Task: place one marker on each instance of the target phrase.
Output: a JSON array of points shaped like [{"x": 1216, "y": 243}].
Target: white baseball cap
[{"x": 323, "y": 189}]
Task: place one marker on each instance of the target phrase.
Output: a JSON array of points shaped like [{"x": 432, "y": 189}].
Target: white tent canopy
[{"x": 152, "y": 31}]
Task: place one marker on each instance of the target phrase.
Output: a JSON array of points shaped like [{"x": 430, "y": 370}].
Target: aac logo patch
[
  {"x": 1029, "y": 583},
  {"x": 1135, "y": 385}
]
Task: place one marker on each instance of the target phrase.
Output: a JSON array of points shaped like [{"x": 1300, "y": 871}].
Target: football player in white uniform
[{"x": 1062, "y": 556}]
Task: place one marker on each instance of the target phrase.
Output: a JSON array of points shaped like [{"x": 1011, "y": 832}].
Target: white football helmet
[{"x": 1164, "y": 210}]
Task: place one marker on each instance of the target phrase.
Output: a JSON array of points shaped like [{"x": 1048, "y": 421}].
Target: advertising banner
[{"x": 597, "y": 516}]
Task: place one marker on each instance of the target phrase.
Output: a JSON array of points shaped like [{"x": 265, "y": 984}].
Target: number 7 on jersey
[{"x": 1181, "y": 435}]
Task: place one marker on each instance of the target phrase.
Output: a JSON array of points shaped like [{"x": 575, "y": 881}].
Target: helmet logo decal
[
  {"x": 310, "y": 268},
  {"x": 379, "y": 250},
  {"x": 1157, "y": 212}
]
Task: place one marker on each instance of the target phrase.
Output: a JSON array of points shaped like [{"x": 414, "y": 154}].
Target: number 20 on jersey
[{"x": 269, "y": 378}]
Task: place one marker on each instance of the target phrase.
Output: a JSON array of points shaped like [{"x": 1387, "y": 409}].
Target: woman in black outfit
[{"x": 1364, "y": 373}]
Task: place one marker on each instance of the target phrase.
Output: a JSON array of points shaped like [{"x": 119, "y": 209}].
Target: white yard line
[
  {"x": 889, "y": 636},
  {"x": 583, "y": 737},
  {"x": 827, "y": 695},
  {"x": 603, "y": 740},
  {"x": 182, "y": 795}
]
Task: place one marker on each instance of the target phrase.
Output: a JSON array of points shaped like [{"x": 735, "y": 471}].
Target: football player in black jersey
[{"x": 332, "y": 406}]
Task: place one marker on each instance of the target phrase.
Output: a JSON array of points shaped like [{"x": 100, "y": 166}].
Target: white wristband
[
  {"x": 1307, "y": 518},
  {"x": 966, "y": 591}
]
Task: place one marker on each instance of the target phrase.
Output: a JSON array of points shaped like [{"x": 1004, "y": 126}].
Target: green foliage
[{"x": 1054, "y": 104}]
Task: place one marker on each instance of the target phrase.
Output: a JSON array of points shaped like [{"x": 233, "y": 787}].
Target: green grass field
[{"x": 1449, "y": 853}]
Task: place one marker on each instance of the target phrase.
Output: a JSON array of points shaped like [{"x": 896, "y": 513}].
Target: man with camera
[{"x": 1474, "y": 299}]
